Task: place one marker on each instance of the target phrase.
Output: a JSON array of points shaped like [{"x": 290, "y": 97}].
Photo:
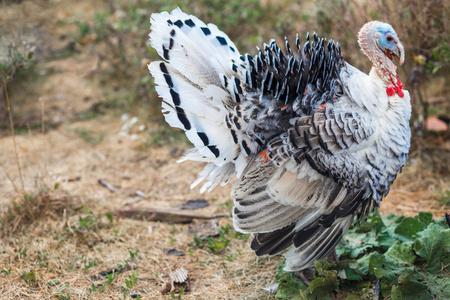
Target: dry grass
[
  {"x": 59, "y": 235},
  {"x": 52, "y": 243},
  {"x": 32, "y": 207}
]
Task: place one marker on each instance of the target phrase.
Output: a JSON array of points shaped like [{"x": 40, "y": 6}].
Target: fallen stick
[
  {"x": 163, "y": 214},
  {"x": 132, "y": 201},
  {"x": 107, "y": 185}
]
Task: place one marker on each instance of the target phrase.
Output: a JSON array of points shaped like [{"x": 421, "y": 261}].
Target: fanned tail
[{"x": 193, "y": 82}]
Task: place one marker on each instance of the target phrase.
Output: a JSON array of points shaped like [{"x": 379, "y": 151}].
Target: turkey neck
[{"x": 384, "y": 67}]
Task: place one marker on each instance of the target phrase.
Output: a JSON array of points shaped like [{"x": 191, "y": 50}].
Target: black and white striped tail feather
[
  {"x": 187, "y": 107},
  {"x": 274, "y": 242},
  {"x": 309, "y": 244},
  {"x": 290, "y": 206},
  {"x": 317, "y": 246},
  {"x": 315, "y": 239},
  {"x": 199, "y": 83},
  {"x": 273, "y": 215},
  {"x": 193, "y": 47},
  {"x": 269, "y": 198},
  {"x": 284, "y": 76}
]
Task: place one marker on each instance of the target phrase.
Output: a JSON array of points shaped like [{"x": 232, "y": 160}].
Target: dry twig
[
  {"x": 107, "y": 185},
  {"x": 163, "y": 214}
]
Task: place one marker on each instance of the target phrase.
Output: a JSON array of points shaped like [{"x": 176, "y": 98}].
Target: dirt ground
[
  {"x": 61, "y": 156},
  {"x": 57, "y": 257}
]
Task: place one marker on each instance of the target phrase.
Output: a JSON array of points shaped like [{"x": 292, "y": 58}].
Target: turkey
[{"x": 313, "y": 141}]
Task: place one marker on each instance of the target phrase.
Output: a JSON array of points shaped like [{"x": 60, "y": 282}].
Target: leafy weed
[{"x": 409, "y": 257}]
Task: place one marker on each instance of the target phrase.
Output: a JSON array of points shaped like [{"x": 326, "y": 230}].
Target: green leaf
[
  {"x": 438, "y": 285},
  {"x": 110, "y": 218},
  {"x": 321, "y": 287},
  {"x": 425, "y": 217},
  {"x": 357, "y": 243},
  {"x": 392, "y": 220},
  {"x": 352, "y": 275},
  {"x": 409, "y": 227},
  {"x": 409, "y": 288},
  {"x": 433, "y": 245},
  {"x": 62, "y": 288},
  {"x": 386, "y": 238},
  {"x": 289, "y": 285},
  {"x": 401, "y": 253},
  {"x": 411, "y": 257},
  {"x": 370, "y": 263}
]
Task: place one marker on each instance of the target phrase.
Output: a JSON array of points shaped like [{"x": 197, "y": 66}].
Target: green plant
[
  {"x": 65, "y": 297},
  {"x": 109, "y": 216},
  {"x": 54, "y": 282},
  {"x": 42, "y": 257},
  {"x": 129, "y": 284},
  {"x": 228, "y": 204},
  {"x": 29, "y": 277},
  {"x": 92, "y": 263},
  {"x": 167, "y": 135},
  {"x": 133, "y": 255},
  {"x": 111, "y": 278},
  {"x": 19, "y": 56},
  {"x": 90, "y": 136},
  {"x": 444, "y": 196},
  {"x": 87, "y": 222},
  {"x": 62, "y": 288},
  {"x": 83, "y": 29},
  {"x": 182, "y": 292},
  {"x": 440, "y": 57},
  {"x": 408, "y": 256},
  {"x": 218, "y": 244},
  {"x": 112, "y": 274}
]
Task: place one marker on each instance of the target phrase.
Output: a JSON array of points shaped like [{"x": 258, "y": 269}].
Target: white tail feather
[{"x": 191, "y": 82}]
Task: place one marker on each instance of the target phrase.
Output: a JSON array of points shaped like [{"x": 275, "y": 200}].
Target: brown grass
[{"x": 51, "y": 224}]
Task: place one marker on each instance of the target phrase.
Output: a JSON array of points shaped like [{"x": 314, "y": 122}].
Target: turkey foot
[{"x": 307, "y": 275}]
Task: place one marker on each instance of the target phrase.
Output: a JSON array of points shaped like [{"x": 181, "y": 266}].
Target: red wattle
[
  {"x": 400, "y": 93},
  {"x": 390, "y": 91}
]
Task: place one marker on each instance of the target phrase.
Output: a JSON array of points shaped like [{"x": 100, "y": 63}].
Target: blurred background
[
  {"x": 73, "y": 75},
  {"x": 36, "y": 34}
]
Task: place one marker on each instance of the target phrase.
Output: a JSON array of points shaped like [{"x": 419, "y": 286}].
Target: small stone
[
  {"x": 195, "y": 204},
  {"x": 175, "y": 252}
]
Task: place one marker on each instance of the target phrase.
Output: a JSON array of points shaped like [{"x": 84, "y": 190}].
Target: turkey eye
[{"x": 389, "y": 39}]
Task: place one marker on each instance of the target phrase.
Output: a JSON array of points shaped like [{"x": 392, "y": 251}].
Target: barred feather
[{"x": 314, "y": 142}]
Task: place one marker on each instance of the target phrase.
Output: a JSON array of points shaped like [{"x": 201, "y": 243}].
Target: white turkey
[{"x": 313, "y": 141}]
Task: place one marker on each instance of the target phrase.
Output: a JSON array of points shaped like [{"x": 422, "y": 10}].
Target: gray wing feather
[
  {"x": 327, "y": 131},
  {"x": 268, "y": 198},
  {"x": 316, "y": 247},
  {"x": 308, "y": 191}
]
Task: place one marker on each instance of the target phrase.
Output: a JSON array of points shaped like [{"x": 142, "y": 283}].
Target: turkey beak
[{"x": 400, "y": 53}]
